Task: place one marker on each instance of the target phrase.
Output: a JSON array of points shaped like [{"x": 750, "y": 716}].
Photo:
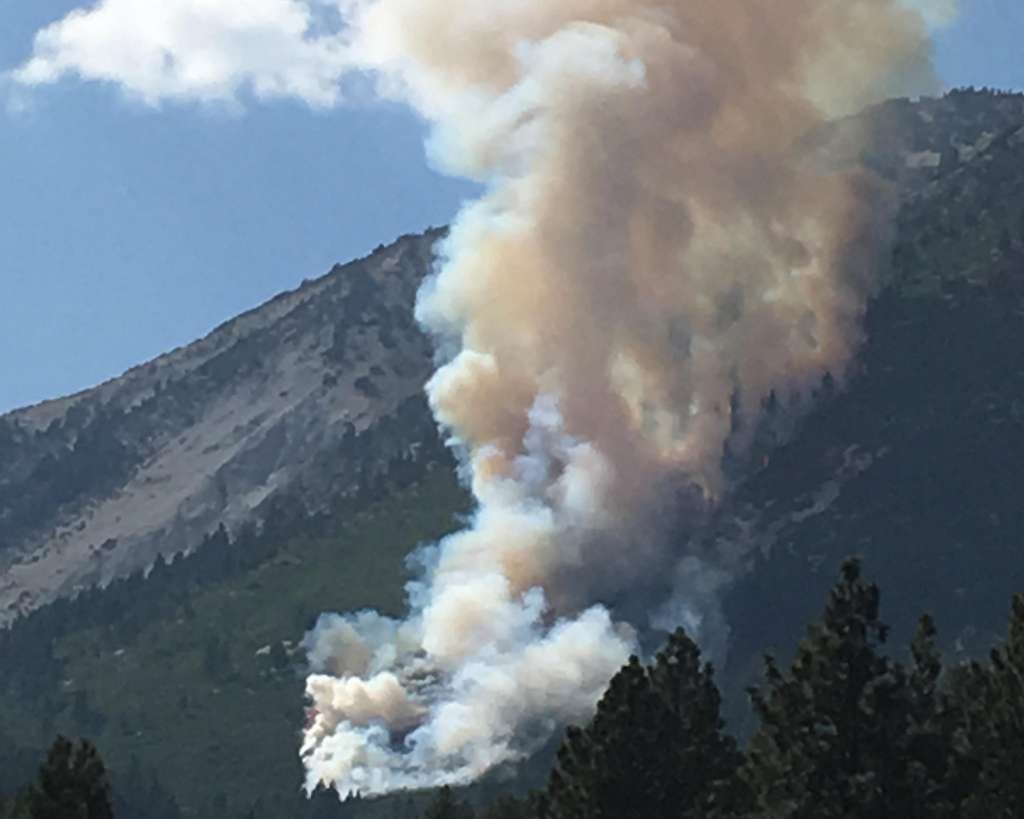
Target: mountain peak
[{"x": 97, "y": 484}]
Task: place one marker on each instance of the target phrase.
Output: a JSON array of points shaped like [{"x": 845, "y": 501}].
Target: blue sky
[{"x": 128, "y": 229}]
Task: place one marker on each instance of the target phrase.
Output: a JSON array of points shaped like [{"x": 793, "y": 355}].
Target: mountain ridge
[
  {"x": 130, "y": 469},
  {"x": 912, "y": 463},
  {"x": 81, "y": 476}
]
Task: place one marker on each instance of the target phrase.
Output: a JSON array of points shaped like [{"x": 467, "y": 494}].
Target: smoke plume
[{"x": 654, "y": 256}]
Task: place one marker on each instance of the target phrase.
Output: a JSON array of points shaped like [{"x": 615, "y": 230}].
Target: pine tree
[
  {"x": 324, "y": 803},
  {"x": 846, "y": 731},
  {"x": 988, "y": 701},
  {"x": 929, "y": 739},
  {"x": 446, "y": 806},
  {"x": 72, "y": 784},
  {"x": 655, "y": 748}
]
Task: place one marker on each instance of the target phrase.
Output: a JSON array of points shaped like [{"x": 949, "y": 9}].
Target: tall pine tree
[
  {"x": 987, "y": 702},
  {"x": 655, "y": 748},
  {"x": 72, "y": 784},
  {"x": 846, "y": 731}
]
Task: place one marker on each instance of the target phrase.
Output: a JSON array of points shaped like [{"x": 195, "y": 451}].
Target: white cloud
[
  {"x": 212, "y": 50},
  {"x": 206, "y": 50}
]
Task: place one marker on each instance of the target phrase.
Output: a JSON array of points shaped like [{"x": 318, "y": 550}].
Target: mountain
[
  {"x": 913, "y": 143},
  {"x": 915, "y": 464},
  {"x": 96, "y": 485},
  {"x": 191, "y": 680},
  {"x": 912, "y": 459},
  {"x": 289, "y": 395}
]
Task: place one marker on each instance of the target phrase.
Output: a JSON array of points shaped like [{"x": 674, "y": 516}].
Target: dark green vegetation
[
  {"x": 86, "y": 455},
  {"x": 846, "y": 730},
  {"x": 912, "y": 460},
  {"x": 917, "y": 461},
  {"x": 189, "y": 680},
  {"x": 72, "y": 783},
  {"x": 655, "y": 747}
]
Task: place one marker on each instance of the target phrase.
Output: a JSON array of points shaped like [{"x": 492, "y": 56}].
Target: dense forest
[{"x": 851, "y": 727}]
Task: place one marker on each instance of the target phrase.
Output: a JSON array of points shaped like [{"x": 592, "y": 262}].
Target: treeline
[
  {"x": 73, "y": 782},
  {"x": 846, "y": 730},
  {"x": 971, "y": 91},
  {"x": 127, "y": 605}
]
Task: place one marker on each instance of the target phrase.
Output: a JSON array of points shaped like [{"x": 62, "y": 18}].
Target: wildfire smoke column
[{"x": 653, "y": 256}]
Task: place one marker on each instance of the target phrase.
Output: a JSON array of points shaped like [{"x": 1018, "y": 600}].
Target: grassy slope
[{"x": 236, "y": 733}]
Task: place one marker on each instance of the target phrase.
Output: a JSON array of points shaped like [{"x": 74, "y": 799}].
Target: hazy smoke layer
[{"x": 653, "y": 256}]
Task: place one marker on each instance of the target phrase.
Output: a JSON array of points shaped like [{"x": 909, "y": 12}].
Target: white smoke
[
  {"x": 654, "y": 255},
  {"x": 652, "y": 258}
]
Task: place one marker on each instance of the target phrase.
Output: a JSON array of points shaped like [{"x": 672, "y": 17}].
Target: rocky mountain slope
[
  {"x": 915, "y": 462},
  {"x": 96, "y": 485}
]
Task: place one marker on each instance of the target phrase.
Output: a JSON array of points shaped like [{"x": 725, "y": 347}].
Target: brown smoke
[{"x": 653, "y": 256}]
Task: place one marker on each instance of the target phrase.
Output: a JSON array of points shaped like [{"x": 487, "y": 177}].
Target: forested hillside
[
  {"x": 190, "y": 679},
  {"x": 852, "y": 727},
  {"x": 916, "y": 462}
]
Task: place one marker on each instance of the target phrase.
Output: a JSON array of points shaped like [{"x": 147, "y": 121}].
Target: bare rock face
[{"x": 315, "y": 390}]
